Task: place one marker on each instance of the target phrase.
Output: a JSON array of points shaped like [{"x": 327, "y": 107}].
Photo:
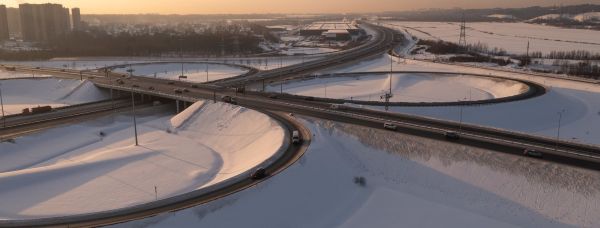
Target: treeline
[
  {"x": 585, "y": 69},
  {"x": 97, "y": 42},
  {"x": 441, "y": 47},
  {"x": 572, "y": 55}
]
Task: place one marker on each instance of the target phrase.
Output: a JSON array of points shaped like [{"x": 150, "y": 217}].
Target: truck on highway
[{"x": 36, "y": 110}]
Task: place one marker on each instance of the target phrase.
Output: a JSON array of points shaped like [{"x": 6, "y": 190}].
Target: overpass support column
[{"x": 177, "y": 102}]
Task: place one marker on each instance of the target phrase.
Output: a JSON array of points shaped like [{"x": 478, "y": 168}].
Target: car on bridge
[
  {"x": 452, "y": 135},
  {"x": 533, "y": 153},
  {"x": 178, "y": 91}
]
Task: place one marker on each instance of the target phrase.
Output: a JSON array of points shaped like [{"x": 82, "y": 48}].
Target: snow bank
[
  {"x": 411, "y": 181},
  {"x": 185, "y": 115},
  {"x": 26, "y": 93},
  {"x": 81, "y": 171}
]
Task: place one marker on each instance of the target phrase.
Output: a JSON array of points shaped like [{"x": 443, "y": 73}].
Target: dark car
[
  {"x": 171, "y": 83},
  {"x": 533, "y": 153},
  {"x": 151, "y": 88},
  {"x": 194, "y": 86},
  {"x": 186, "y": 90},
  {"x": 273, "y": 96},
  {"x": 177, "y": 91},
  {"x": 135, "y": 86},
  {"x": 451, "y": 135},
  {"x": 258, "y": 174}
]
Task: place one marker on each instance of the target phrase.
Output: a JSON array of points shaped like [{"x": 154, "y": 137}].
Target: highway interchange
[{"x": 278, "y": 107}]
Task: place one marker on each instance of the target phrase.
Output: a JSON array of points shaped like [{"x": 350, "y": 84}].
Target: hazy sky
[{"x": 280, "y": 6}]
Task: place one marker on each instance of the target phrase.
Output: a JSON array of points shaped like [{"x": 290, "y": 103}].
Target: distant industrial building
[
  {"x": 320, "y": 28},
  {"x": 76, "y": 15},
  {"x": 331, "y": 30},
  {"x": 337, "y": 34},
  {"x": 3, "y": 23},
  {"x": 43, "y": 22}
]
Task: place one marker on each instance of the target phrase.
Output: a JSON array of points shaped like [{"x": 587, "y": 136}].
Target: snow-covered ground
[
  {"x": 195, "y": 72},
  {"x": 410, "y": 181},
  {"x": 18, "y": 94},
  {"x": 82, "y": 171},
  {"x": 512, "y": 37},
  {"x": 405, "y": 87},
  {"x": 581, "y": 101}
]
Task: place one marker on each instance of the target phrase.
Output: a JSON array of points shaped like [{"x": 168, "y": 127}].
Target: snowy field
[
  {"x": 511, "y": 37},
  {"x": 18, "y": 94},
  {"x": 410, "y": 182},
  {"x": 83, "y": 171},
  {"x": 405, "y": 87},
  {"x": 580, "y": 101},
  {"x": 195, "y": 72}
]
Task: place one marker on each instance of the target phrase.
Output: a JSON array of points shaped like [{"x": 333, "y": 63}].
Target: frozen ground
[
  {"x": 511, "y": 37},
  {"x": 82, "y": 171},
  {"x": 581, "y": 101},
  {"x": 405, "y": 87},
  {"x": 195, "y": 72},
  {"x": 411, "y": 182},
  {"x": 19, "y": 94}
]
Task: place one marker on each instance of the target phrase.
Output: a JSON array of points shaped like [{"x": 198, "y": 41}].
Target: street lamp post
[
  {"x": 558, "y": 130},
  {"x": 206, "y": 72},
  {"x": 2, "y": 105},
  {"x": 134, "y": 119}
]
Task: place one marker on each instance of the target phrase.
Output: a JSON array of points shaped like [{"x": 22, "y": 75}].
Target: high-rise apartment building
[
  {"x": 3, "y": 23},
  {"x": 76, "y": 14},
  {"x": 43, "y": 22}
]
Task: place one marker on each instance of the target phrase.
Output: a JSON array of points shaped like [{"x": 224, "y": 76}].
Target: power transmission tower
[
  {"x": 527, "y": 48},
  {"x": 462, "y": 41}
]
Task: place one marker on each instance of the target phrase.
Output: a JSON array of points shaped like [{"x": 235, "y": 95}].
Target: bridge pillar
[{"x": 177, "y": 104}]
